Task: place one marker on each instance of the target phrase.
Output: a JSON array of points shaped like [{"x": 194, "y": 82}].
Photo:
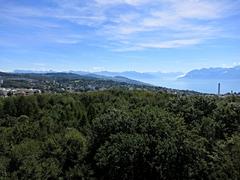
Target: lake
[{"x": 200, "y": 85}]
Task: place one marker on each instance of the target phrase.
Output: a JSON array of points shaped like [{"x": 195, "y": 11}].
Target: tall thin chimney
[
  {"x": 1, "y": 81},
  {"x": 219, "y": 89}
]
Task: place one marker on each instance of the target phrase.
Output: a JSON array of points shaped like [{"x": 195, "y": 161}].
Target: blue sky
[{"x": 119, "y": 35}]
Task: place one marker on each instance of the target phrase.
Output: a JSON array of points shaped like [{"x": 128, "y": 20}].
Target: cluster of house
[{"x": 18, "y": 92}]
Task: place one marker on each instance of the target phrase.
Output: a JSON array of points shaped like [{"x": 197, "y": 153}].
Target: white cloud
[
  {"x": 196, "y": 9},
  {"x": 236, "y": 63},
  {"x": 160, "y": 45},
  {"x": 171, "y": 44},
  {"x": 117, "y": 2},
  {"x": 140, "y": 23}
]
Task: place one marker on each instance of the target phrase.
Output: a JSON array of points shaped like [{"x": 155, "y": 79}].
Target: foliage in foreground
[{"x": 119, "y": 135}]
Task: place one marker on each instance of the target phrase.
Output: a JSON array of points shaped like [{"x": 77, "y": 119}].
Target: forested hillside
[
  {"x": 119, "y": 134},
  {"x": 69, "y": 82}
]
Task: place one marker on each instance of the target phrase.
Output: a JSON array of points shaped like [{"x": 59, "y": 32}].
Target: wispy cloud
[
  {"x": 128, "y": 2},
  {"x": 131, "y": 24},
  {"x": 171, "y": 44}
]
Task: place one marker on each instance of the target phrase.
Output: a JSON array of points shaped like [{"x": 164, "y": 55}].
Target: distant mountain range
[
  {"x": 214, "y": 73},
  {"x": 79, "y": 74},
  {"x": 148, "y": 77},
  {"x": 201, "y": 80},
  {"x": 157, "y": 77},
  {"x": 64, "y": 81},
  {"x": 20, "y": 71}
]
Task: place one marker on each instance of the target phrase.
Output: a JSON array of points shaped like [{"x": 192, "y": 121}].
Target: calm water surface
[{"x": 205, "y": 86}]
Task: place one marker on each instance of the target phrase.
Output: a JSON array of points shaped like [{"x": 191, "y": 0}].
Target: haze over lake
[
  {"x": 201, "y": 85},
  {"x": 202, "y": 80}
]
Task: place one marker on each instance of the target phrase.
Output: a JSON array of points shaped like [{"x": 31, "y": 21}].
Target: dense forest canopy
[{"x": 119, "y": 134}]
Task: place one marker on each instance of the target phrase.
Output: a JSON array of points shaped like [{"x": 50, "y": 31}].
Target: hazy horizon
[
  {"x": 201, "y": 80},
  {"x": 103, "y": 70}
]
